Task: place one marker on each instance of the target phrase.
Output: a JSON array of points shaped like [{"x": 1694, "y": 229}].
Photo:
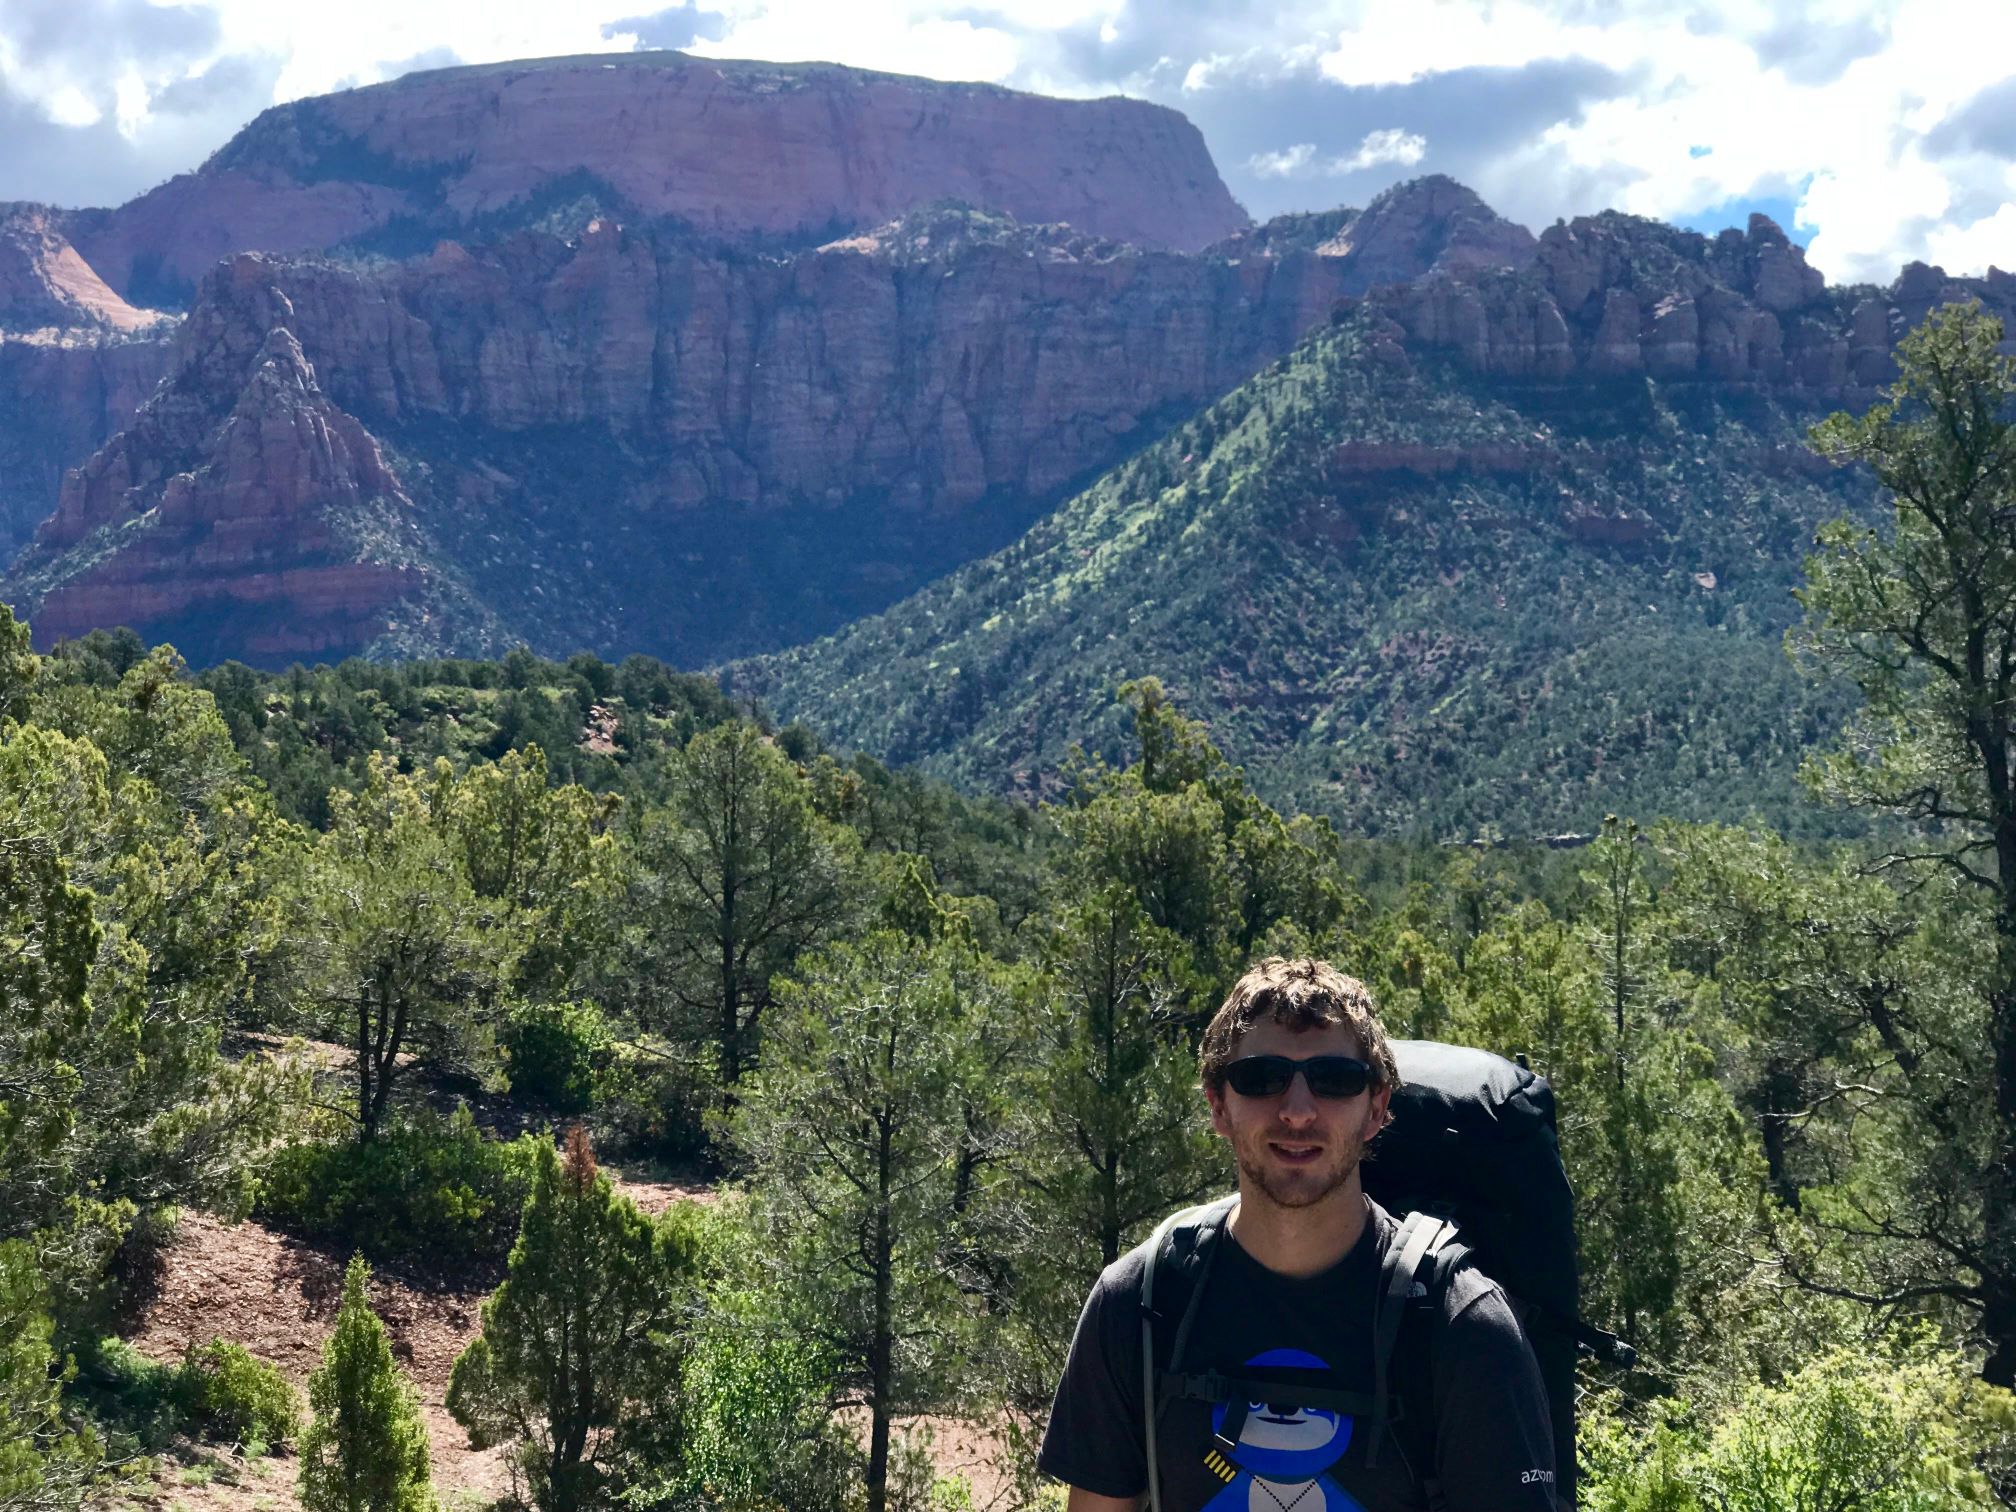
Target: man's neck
[{"x": 1303, "y": 1241}]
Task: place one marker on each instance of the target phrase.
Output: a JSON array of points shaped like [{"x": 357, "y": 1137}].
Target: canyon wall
[
  {"x": 700, "y": 430},
  {"x": 623, "y": 443},
  {"x": 725, "y": 149}
]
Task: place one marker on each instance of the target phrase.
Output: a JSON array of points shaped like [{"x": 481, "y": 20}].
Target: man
[{"x": 1299, "y": 1077}]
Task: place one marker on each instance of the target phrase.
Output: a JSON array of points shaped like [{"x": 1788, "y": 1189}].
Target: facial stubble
[{"x": 1302, "y": 1193}]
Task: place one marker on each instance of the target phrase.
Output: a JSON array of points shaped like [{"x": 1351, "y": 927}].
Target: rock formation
[
  {"x": 76, "y": 361},
  {"x": 1431, "y": 225},
  {"x": 245, "y": 526},
  {"x": 790, "y": 153},
  {"x": 1611, "y": 296},
  {"x": 62, "y": 396},
  {"x": 905, "y": 398},
  {"x": 46, "y": 285},
  {"x": 630, "y": 441}
]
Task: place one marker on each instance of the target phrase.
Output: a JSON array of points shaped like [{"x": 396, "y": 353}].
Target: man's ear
[
  {"x": 1379, "y": 1112},
  {"x": 1215, "y": 1097}
]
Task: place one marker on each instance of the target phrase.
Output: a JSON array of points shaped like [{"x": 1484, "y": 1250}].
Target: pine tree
[
  {"x": 44, "y": 1462},
  {"x": 854, "y": 1125},
  {"x": 736, "y": 875},
  {"x": 1921, "y": 617},
  {"x": 395, "y": 950},
  {"x": 577, "y": 1350},
  {"x": 365, "y": 1449}
]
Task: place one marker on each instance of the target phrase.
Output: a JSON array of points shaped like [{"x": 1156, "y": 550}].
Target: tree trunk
[
  {"x": 1998, "y": 1194},
  {"x": 881, "y": 1348},
  {"x": 731, "y": 981},
  {"x": 1780, "y": 1091},
  {"x": 364, "y": 1128}
]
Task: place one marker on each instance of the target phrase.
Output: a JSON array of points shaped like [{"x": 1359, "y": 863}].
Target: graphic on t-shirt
[{"x": 1283, "y": 1451}]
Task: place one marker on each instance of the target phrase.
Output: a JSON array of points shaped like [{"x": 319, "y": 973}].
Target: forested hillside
[
  {"x": 1416, "y": 600},
  {"x": 394, "y": 960}
]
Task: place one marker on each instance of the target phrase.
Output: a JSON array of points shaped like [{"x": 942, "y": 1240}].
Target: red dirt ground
[{"x": 277, "y": 1296}]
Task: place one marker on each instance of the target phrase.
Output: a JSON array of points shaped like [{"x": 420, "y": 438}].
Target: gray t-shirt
[{"x": 1474, "y": 1416}]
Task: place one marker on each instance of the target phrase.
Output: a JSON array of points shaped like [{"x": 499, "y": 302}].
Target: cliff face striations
[
  {"x": 627, "y": 444},
  {"x": 705, "y": 359},
  {"x": 46, "y": 285},
  {"x": 788, "y": 153},
  {"x": 76, "y": 361}
]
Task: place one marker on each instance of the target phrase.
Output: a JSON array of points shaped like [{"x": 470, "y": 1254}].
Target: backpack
[{"x": 1472, "y": 1159}]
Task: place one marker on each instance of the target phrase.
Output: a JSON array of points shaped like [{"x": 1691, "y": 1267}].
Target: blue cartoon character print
[{"x": 1283, "y": 1452}]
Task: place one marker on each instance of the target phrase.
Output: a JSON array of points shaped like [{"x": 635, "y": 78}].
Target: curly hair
[{"x": 1302, "y": 994}]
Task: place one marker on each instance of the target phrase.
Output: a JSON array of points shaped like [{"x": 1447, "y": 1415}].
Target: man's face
[{"x": 1297, "y": 1148}]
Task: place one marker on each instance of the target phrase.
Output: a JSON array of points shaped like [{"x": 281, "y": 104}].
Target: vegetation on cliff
[{"x": 1405, "y": 597}]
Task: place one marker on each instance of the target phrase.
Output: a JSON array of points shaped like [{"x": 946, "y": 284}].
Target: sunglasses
[{"x": 1328, "y": 1076}]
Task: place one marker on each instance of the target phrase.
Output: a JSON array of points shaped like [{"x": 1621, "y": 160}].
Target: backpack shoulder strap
[
  {"x": 1421, "y": 1240},
  {"x": 1202, "y": 1226}
]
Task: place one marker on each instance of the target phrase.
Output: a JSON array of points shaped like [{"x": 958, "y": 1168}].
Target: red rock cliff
[
  {"x": 904, "y": 398},
  {"x": 1615, "y": 296},
  {"x": 245, "y": 520},
  {"x": 734, "y": 149}
]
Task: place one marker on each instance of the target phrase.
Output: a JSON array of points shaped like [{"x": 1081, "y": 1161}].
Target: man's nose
[{"x": 1298, "y": 1103}]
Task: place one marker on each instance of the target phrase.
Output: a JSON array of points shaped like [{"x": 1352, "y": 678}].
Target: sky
[{"x": 1874, "y": 132}]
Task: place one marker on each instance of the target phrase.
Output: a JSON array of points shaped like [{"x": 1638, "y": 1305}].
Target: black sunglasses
[{"x": 1336, "y": 1076}]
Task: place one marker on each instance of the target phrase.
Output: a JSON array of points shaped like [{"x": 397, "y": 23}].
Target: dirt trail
[{"x": 278, "y": 1296}]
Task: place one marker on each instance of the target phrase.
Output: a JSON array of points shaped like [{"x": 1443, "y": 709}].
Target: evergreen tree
[
  {"x": 138, "y": 919},
  {"x": 1205, "y": 856},
  {"x": 1123, "y": 1136},
  {"x": 735, "y": 876},
  {"x": 395, "y": 949},
  {"x": 45, "y": 1464},
  {"x": 579, "y": 1350},
  {"x": 541, "y": 854},
  {"x": 1922, "y": 619},
  {"x": 854, "y": 1127},
  {"x": 50, "y": 1026},
  {"x": 1114, "y": 1134},
  {"x": 1636, "y": 1209},
  {"x": 365, "y": 1449}
]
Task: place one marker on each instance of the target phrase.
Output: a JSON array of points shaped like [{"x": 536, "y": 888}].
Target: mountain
[
  {"x": 1498, "y": 550},
  {"x": 790, "y": 154},
  {"x": 628, "y": 440},
  {"x": 46, "y": 284},
  {"x": 76, "y": 362}
]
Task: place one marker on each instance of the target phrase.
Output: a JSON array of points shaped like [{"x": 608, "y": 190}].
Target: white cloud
[
  {"x": 1392, "y": 145},
  {"x": 70, "y": 106},
  {"x": 1991, "y": 240},
  {"x": 1286, "y": 163}
]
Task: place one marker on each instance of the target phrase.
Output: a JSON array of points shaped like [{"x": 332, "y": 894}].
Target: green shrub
[
  {"x": 232, "y": 1395},
  {"x": 552, "y": 1052},
  {"x": 425, "y": 1186},
  {"x": 139, "y": 1401},
  {"x": 652, "y": 1104},
  {"x": 1899, "y": 1434},
  {"x": 1897, "y": 1427},
  {"x": 219, "y": 1391},
  {"x": 756, "y": 1429}
]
